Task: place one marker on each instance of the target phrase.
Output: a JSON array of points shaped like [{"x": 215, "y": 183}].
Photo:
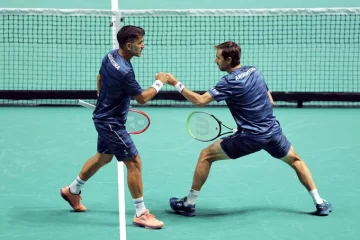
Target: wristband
[
  {"x": 157, "y": 85},
  {"x": 179, "y": 86}
]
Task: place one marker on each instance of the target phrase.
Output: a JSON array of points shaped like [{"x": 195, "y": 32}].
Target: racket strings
[
  {"x": 136, "y": 121},
  {"x": 203, "y": 126}
]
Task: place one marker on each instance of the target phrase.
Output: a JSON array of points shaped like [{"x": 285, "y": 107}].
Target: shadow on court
[
  {"x": 41, "y": 216},
  {"x": 250, "y": 210}
]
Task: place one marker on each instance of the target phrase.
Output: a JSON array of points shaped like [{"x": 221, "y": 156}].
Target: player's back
[
  {"x": 249, "y": 102},
  {"x": 114, "y": 98}
]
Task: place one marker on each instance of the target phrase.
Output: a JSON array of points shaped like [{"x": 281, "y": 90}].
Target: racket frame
[
  {"x": 89, "y": 105},
  {"x": 221, "y": 125}
]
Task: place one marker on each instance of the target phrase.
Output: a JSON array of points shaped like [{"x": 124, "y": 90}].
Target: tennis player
[
  {"x": 116, "y": 86},
  {"x": 249, "y": 100}
]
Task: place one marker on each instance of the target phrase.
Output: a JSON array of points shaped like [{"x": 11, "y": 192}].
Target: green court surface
[
  {"x": 256, "y": 197},
  {"x": 42, "y": 149}
]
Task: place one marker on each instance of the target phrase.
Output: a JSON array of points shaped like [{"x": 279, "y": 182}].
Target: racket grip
[{"x": 86, "y": 104}]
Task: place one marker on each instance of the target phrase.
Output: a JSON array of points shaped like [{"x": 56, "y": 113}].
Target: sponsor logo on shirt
[
  {"x": 215, "y": 91},
  {"x": 113, "y": 62},
  {"x": 244, "y": 74}
]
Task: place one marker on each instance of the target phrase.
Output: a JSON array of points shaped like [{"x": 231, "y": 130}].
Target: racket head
[
  {"x": 137, "y": 121},
  {"x": 203, "y": 126}
]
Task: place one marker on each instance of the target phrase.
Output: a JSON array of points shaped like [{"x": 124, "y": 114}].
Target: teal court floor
[{"x": 257, "y": 197}]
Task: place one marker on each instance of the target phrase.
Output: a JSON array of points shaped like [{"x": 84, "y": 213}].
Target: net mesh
[
  {"x": 45, "y": 52},
  {"x": 297, "y": 52}
]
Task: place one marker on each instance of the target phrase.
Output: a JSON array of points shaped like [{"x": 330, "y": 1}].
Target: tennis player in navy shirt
[
  {"x": 117, "y": 85},
  {"x": 250, "y": 102}
]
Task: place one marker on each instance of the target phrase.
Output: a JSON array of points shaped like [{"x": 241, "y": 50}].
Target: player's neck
[
  {"x": 124, "y": 55},
  {"x": 230, "y": 70}
]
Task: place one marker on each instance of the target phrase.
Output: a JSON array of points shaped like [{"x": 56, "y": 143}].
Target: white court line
[{"x": 120, "y": 165}]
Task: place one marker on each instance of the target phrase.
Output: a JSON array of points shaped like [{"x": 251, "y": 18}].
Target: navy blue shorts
[
  {"x": 236, "y": 146},
  {"x": 114, "y": 139}
]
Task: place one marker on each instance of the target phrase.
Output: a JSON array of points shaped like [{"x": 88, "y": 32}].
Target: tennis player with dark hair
[
  {"x": 245, "y": 92},
  {"x": 116, "y": 86}
]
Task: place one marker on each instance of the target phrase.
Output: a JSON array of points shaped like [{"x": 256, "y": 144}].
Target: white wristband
[
  {"x": 179, "y": 86},
  {"x": 157, "y": 85}
]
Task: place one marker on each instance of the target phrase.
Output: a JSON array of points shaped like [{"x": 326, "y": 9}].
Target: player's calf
[{"x": 323, "y": 208}]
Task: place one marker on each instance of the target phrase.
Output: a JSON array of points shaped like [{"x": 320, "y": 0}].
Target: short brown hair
[
  {"x": 129, "y": 34},
  {"x": 230, "y": 49}
]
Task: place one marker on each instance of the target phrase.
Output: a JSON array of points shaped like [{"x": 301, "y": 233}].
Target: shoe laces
[{"x": 148, "y": 214}]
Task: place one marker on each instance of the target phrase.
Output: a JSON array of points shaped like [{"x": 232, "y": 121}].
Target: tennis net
[{"x": 308, "y": 56}]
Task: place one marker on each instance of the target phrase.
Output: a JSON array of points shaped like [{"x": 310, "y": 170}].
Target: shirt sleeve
[
  {"x": 131, "y": 86},
  {"x": 221, "y": 91}
]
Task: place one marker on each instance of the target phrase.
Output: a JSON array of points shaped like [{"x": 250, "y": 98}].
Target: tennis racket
[
  {"x": 137, "y": 121},
  {"x": 205, "y": 127}
]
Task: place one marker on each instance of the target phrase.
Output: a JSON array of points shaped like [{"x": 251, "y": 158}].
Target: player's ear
[
  {"x": 229, "y": 60},
  {"x": 128, "y": 46}
]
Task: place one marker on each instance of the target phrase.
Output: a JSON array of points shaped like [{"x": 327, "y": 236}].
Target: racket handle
[{"x": 85, "y": 104}]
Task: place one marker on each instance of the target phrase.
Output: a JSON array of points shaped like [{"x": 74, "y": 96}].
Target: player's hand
[
  {"x": 171, "y": 79},
  {"x": 162, "y": 77}
]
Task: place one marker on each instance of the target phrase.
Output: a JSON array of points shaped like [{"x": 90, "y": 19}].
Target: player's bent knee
[
  {"x": 292, "y": 157},
  {"x": 293, "y": 161},
  {"x": 205, "y": 155},
  {"x": 134, "y": 162},
  {"x": 213, "y": 153}
]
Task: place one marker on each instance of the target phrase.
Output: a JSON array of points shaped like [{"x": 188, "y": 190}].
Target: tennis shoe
[
  {"x": 178, "y": 205},
  {"x": 147, "y": 220},
  {"x": 323, "y": 209},
  {"x": 72, "y": 199}
]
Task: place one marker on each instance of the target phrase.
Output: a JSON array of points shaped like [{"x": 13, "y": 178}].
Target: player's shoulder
[
  {"x": 118, "y": 62},
  {"x": 242, "y": 73}
]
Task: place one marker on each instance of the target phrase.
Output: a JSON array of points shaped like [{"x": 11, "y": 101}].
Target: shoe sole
[
  {"x": 147, "y": 227},
  {"x": 183, "y": 213},
  {"x": 180, "y": 212},
  {"x": 324, "y": 213}
]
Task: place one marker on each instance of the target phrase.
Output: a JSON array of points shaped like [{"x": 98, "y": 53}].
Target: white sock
[
  {"x": 75, "y": 187},
  {"x": 191, "y": 198},
  {"x": 139, "y": 206},
  {"x": 316, "y": 197}
]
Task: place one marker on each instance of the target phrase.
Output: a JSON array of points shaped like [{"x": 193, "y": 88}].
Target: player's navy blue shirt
[
  {"x": 118, "y": 85},
  {"x": 245, "y": 93}
]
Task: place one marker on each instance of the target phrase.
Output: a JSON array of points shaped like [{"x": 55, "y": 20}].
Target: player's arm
[
  {"x": 149, "y": 93},
  {"x": 145, "y": 95},
  {"x": 271, "y": 98},
  {"x": 98, "y": 84},
  {"x": 196, "y": 99}
]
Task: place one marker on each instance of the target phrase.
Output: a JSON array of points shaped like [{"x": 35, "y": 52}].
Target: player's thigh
[
  {"x": 214, "y": 152},
  {"x": 236, "y": 146},
  {"x": 103, "y": 158},
  {"x": 278, "y": 146}
]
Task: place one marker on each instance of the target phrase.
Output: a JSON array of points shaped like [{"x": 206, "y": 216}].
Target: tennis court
[{"x": 42, "y": 148}]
